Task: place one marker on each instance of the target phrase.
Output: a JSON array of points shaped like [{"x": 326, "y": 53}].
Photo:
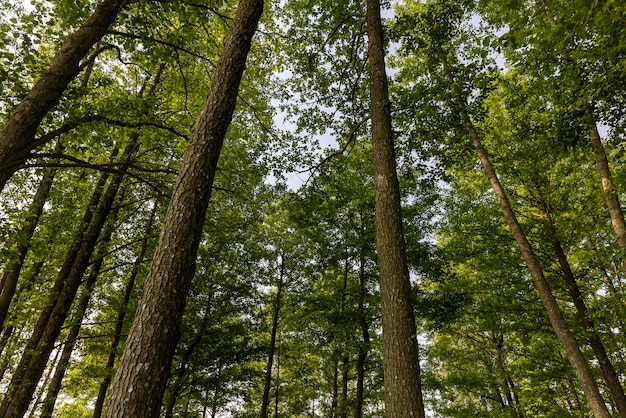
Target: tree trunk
[
  {"x": 140, "y": 380},
  {"x": 63, "y": 292},
  {"x": 567, "y": 339},
  {"x": 119, "y": 322},
  {"x": 608, "y": 371},
  {"x": 270, "y": 353},
  {"x": 565, "y": 336},
  {"x": 403, "y": 395},
  {"x": 364, "y": 346},
  {"x": 11, "y": 275},
  {"x": 182, "y": 369},
  {"x": 54, "y": 386},
  {"x": 17, "y": 137},
  {"x": 610, "y": 195}
]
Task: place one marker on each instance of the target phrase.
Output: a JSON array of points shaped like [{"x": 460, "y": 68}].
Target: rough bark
[
  {"x": 272, "y": 348},
  {"x": 121, "y": 315},
  {"x": 141, "y": 377},
  {"x": 41, "y": 343},
  {"x": 12, "y": 274},
  {"x": 403, "y": 395},
  {"x": 17, "y": 137}
]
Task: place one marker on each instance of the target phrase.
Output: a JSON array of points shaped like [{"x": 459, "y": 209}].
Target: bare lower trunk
[
  {"x": 10, "y": 277},
  {"x": 270, "y": 352},
  {"x": 33, "y": 362},
  {"x": 83, "y": 302},
  {"x": 403, "y": 393}
]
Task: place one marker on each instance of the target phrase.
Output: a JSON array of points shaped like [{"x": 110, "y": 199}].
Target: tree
[
  {"x": 138, "y": 391},
  {"x": 403, "y": 394},
  {"x": 18, "y": 133}
]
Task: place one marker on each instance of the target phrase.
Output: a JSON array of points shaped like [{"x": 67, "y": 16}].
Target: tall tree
[
  {"x": 18, "y": 133},
  {"x": 140, "y": 380},
  {"x": 403, "y": 392}
]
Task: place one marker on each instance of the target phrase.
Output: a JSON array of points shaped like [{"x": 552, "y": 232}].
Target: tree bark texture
[
  {"x": 17, "y": 137},
  {"x": 401, "y": 369},
  {"x": 41, "y": 343},
  {"x": 144, "y": 368}
]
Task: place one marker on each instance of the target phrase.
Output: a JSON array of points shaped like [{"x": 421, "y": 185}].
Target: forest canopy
[{"x": 312, "y": 209}]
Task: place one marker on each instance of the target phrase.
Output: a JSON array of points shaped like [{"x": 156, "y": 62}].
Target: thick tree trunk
[
  {"x": 63, "y": 292},
  {"x": 140, "y": 380},
  {"x": 121, "y": 315},
  {"x": 18, "y": 134},
  {"x": 403, "y": 394},
  {"x": 11, "y": 275},
  {"x": 270, "y": 352},
  {"x": 608, "y": 371}
]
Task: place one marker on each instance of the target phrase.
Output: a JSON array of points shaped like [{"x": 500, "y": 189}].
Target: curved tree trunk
[
  {"x": 17, "y": 137},
  {"x": 138, "y": 390},
  {"x": 403, "y": 394}
]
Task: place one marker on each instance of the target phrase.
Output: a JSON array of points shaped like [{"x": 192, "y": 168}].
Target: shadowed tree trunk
[
  {"x": 141, "y": 377},
  {"x": 364, "y": 346},
  {"x": 403, "y": 394},
  {"x": 17, "y": 137}
]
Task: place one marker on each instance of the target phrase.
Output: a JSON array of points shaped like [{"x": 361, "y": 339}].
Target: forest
[{"x": 305, "y": 208}]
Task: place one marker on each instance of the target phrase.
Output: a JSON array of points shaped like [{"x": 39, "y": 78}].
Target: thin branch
[
  {"x": 161, "y": 42},
  {"x": 349, "y": 141}
]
